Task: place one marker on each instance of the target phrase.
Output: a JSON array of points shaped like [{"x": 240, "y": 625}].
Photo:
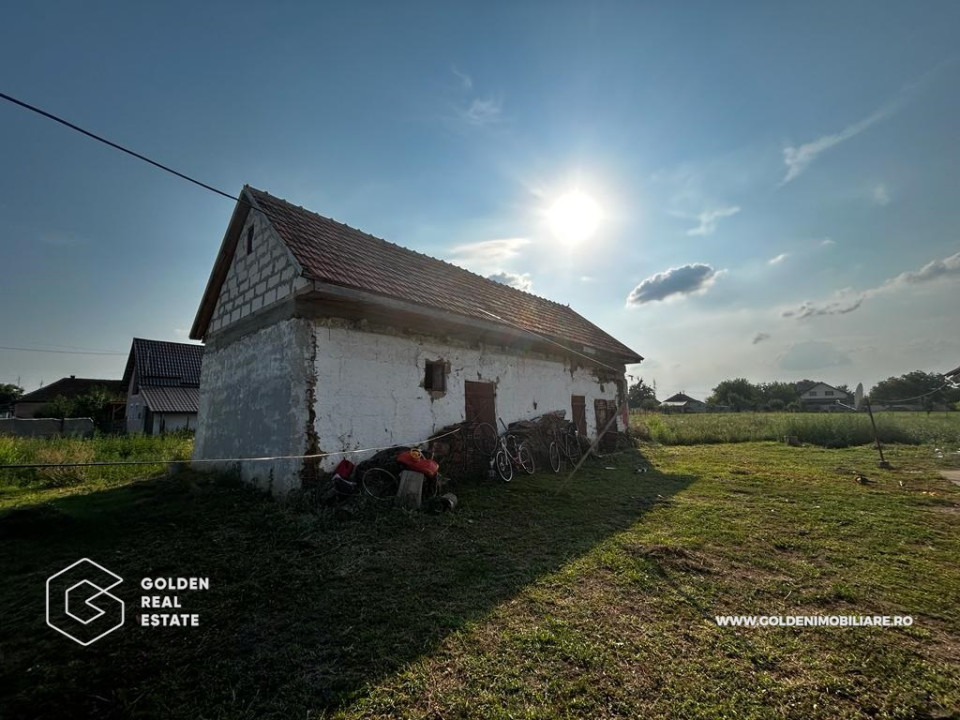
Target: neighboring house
[
  {"x": 162, "y": 381},
  {"x": 824, "y": 397},
  {"x": 28, "y": 405},
  {"x": 682, "y": 403},
  {"x": 953, "y": 375},
  {"x": 322, "y": 338}
]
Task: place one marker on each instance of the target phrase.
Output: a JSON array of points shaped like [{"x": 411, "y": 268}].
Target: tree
[
  {"x": 914, "y": 388},
  {"x": 783, "y": 392},
  {"x": 10, "y": 393},
  {"x": 641, "y": 395},
  {"x": 60, "y": 407},
  {"x": 739, "y": 394}
]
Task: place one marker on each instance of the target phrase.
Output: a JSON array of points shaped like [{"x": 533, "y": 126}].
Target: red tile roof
[{"x": 334, "y": 253}]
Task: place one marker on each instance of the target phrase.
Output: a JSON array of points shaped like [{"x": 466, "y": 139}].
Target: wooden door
[
  {"x": 578, "y": 404},
  {"x": 481, "y": 402},
  {"x": 605, "y": 411}
]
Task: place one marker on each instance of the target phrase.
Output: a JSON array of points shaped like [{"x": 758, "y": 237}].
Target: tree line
[{"x": 914, "y": 389}]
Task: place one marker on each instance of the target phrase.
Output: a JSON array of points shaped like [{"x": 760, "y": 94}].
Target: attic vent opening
[
  {"x": 435, "y": 376},
  {"x": 249, "y": 239}
]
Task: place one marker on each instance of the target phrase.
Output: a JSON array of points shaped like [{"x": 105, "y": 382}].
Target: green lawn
[
  {"x": 543, "y": 598},
  {"x": 832, "y": 430}
]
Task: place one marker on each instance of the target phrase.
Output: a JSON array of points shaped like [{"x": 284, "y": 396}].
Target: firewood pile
[{"x": 457, "y": 454}]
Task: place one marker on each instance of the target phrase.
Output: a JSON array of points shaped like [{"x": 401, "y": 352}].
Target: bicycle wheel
[
  {"x": 554, "y": 457},
  {"x": 525, "y": 458},
  {"x": 380, "y": 484},
  {"x": 503, "y": 465},
  {"x": 485, "y": 438}
]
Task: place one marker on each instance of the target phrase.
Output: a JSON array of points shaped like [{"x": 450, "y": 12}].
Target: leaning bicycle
[{"x": 512, "y": 452}]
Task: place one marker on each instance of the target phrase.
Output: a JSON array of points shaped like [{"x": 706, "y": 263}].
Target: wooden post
[
  {"x": 876, "y": 437},
  {"x": 410, "y": 490}
]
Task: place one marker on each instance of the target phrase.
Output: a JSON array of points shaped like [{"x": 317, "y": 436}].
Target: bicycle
[
  {"x": 570, "y": 443},
  {"x": 382, "y": 482},
  {"x": 512, "y": 452}
]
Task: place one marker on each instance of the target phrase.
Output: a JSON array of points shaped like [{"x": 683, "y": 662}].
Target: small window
[
  {"x": 435, "y": 377},
  {"x": 813, "y": 393},
  {"x": 828, "y": 392},
  {"x": 249, "y": 239}
]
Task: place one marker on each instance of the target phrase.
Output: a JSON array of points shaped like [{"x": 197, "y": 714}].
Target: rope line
[{"x": 222, "y": 460}]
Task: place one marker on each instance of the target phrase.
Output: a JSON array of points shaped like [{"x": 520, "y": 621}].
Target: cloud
[
  {"x": 466, "y": 82},
  {"x": 879, "y": 195},
  {"x": 798, "y": 159},
  {"x": 487, "y": 256},
  {"x": 778, "y": 259},
  {"x": 840, "y": 306},
  {"x": 482, "y": 111},
  {"x": 684, "y": 280},
  {"x": 813, "y": 355},
  {"x": 827, "y": 242},
  {"x": 514, "y": 280},
  {"x": 846, "y": 301},
  {"x": 709, "y": 218},
  {"x": 947, "y": 268},
  {"x": 760, "y": 337}
]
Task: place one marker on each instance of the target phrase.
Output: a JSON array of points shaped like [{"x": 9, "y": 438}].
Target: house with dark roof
[
  {"x": 28, "y": 405},
  {"x": 320, "y": 338},
  {"x": 162, "y": 381},
  {"x": 682, "y": 403}
]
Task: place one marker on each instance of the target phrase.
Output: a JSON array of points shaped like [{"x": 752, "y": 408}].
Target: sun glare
[{"x": 574, "y": 217}]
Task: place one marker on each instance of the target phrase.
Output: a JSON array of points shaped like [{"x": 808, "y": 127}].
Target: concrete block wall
[
  {"x": 46, "y": 427},
  {"x": 369, "y": 387},
  {"x": 258, "y": 279},
  {"x": 254, "y": 403}
]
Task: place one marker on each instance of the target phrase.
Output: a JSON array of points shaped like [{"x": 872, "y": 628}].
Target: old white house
[{"x": 322, "y": 338}]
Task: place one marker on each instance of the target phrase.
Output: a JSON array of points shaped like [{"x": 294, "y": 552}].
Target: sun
[{"x": 574, "y": 217}]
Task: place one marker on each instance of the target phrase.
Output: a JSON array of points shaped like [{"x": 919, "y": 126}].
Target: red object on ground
[
  {"x": 344, "y": 469},
  {"x": 416, "y": 462}
]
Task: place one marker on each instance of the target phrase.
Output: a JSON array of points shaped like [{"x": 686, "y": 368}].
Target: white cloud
[
  {"x": 879, "y": 195},
  {"x": 520, "y": 281},
  {"x": 778, "y": 259},
  {"x": 708, "y": 220},
  {"x": 466, "y": 82},
  {"x": 798, "y": 159},
  {"x": 482, "y": 111},
  {"x": 846, "y": 301},
  {"x": 813, "y": 355},
  {"x": 827, "y": 242},
  {"x": 487, "y": 256},
  {"x": 684, "y": 280}
]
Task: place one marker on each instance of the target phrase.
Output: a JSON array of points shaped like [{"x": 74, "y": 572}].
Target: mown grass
[
  {"x": 542, "y": 598},
  {"x": 824, "y": 429},
  {"x": 30, "y": 485}
]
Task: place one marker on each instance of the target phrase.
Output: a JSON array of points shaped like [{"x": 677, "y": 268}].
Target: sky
[{"x": 774, "y": 189}]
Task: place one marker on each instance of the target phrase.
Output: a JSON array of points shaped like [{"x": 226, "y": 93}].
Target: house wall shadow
[{"x": 304, "y": 611}]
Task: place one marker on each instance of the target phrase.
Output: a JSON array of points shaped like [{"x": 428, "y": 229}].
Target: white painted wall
[
  {"x": 168, "y": 422},
  {"x": 369, "y": 390},
  {"x": 257, "y": 279}
]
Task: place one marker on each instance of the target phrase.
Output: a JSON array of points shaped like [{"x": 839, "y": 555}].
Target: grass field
[
  {"x": 542, "y": 598},
  {"x": 824, "y": 429}
]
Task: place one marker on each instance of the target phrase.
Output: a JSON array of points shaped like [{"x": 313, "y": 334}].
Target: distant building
[
  {"x": 27, "y": 406},
  {"x": 683, "y": 403},
  {"x": 824, "y": 397},
  {"x": 162, "y": 381},
  {"x": 953, "y": 375}
]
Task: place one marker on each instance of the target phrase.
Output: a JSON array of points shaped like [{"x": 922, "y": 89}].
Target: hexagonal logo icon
[{"x": 80, "y": 604}]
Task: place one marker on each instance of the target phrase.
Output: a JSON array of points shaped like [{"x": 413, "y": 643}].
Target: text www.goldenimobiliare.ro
[{"x": 814, "y": 620}]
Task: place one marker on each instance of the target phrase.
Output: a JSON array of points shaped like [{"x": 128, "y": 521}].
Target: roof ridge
[{"x": 405, "y": 249}]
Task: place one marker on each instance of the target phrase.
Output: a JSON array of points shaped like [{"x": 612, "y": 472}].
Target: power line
[
  {"x": 121, "y": 148},
  {"x": 64, "y": 352}
]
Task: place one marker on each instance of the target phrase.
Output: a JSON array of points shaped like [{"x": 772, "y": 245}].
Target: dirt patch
[{"x": 31, "y": 522}]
